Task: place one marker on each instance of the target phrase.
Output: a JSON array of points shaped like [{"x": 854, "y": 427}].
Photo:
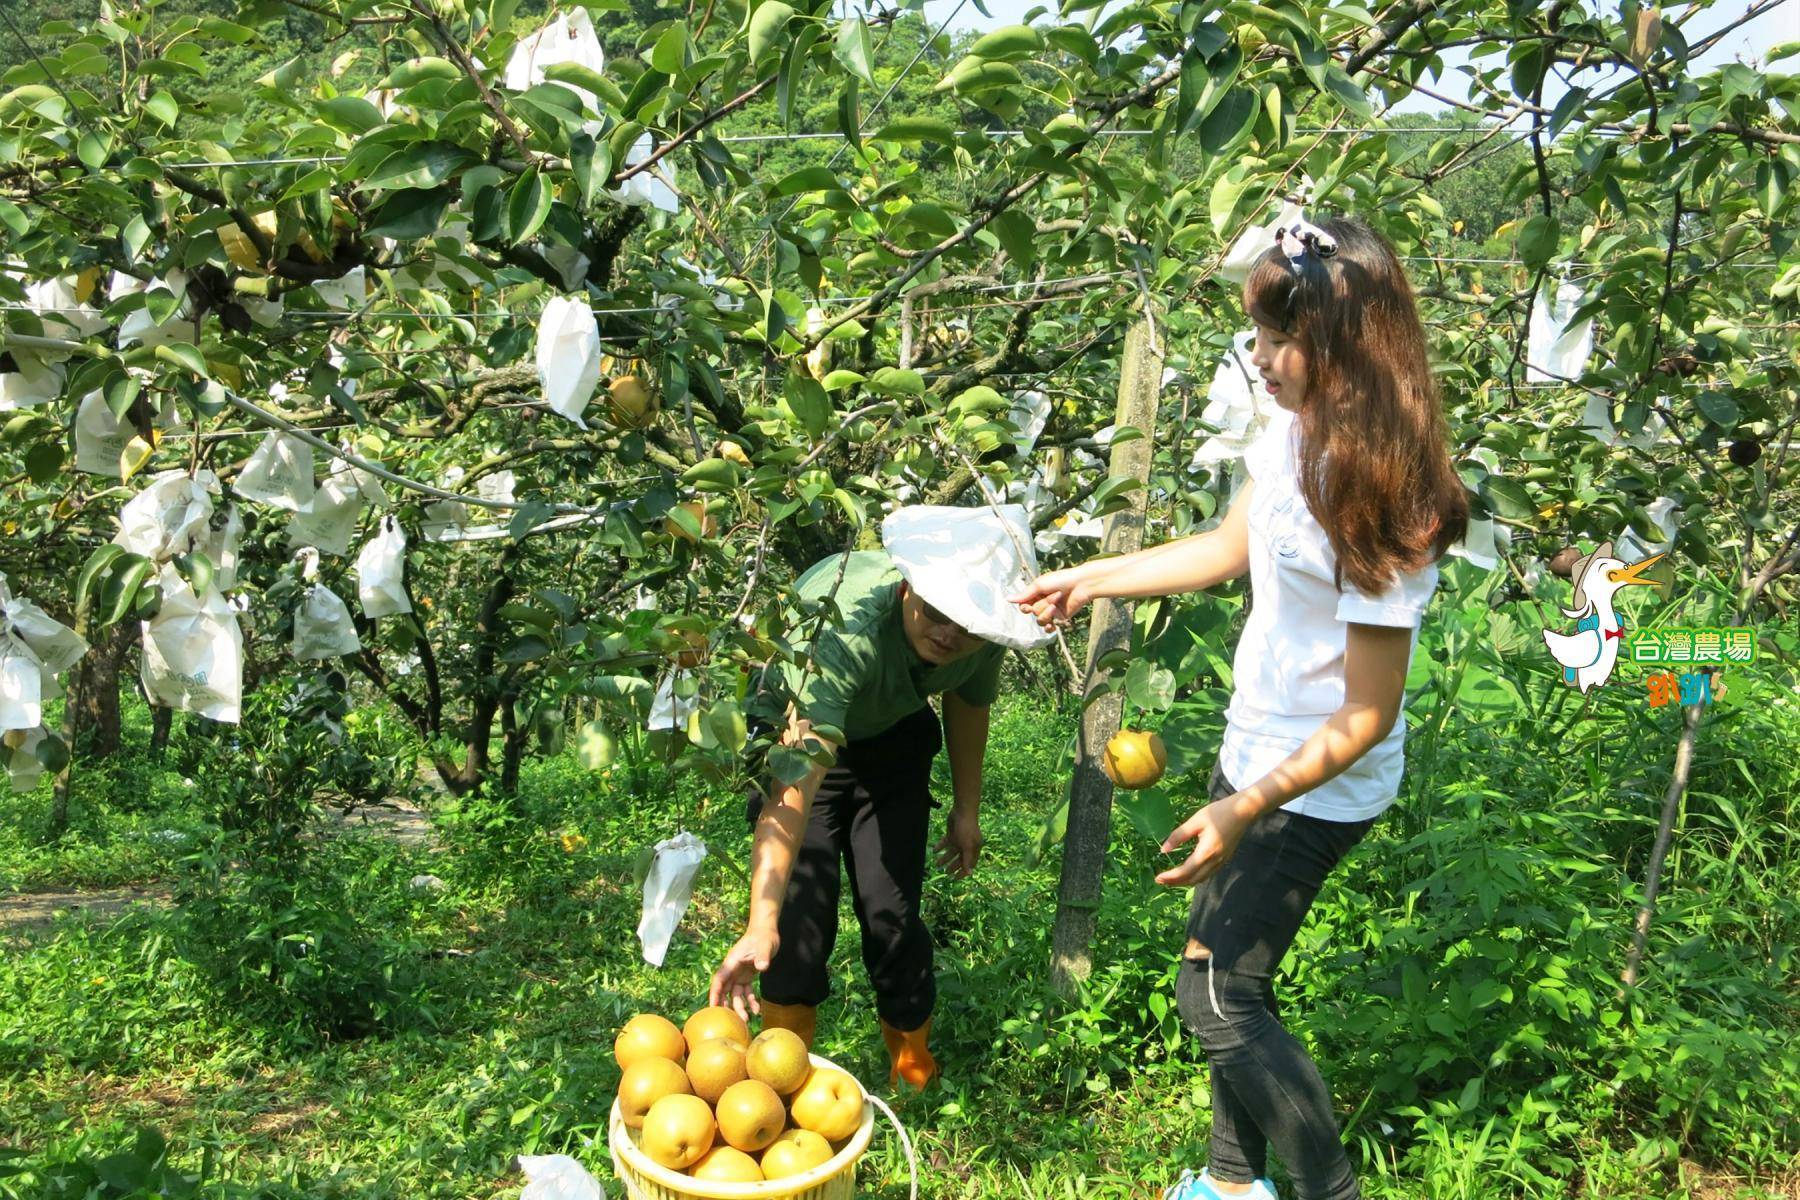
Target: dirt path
[
  {"x": 26, "y": 911},
  {"x": 22, "y": 912}
]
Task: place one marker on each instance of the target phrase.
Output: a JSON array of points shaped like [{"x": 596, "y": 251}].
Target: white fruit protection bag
[
  {"x": 173, "y": 515},
  {"x": 667, "y": 889},
  {"x": 557, "y": 1177},
  {"x": 35, "y": 382},
  {"x": 322, "y": 624},
  {"x": 1557, "y": 348},
  {"x": 328, "y": 521},
  {"x": 568, "y": 356},
  {"x": 34, "y": 649},
  {"x": 566, "y": 38},
  {"x": 193, "y": 651},
  {"x": 1236, "y": 405},
  {"x": 381, "y": 572},
  {"x": 219, "y": 541},
  {"x": 279, "y": 473}
]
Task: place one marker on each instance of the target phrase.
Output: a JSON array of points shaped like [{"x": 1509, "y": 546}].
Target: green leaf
[
  {"x": 1018, "y": 233},
  {"x": 43, "y": 461},
  {"x": 806, "y": 399},
  {"x": 121, "y": 591},
  {"x": 162, "y": 106},
  {"x": 410, "y": 214},
  {"x": 351, "y": 114},
  {"x": 91, "y": 150},
  {"x": 808, "y": 179},
  {"x": 973, "y": 75},
  {"x": 1537, "y": 240},
  {"x": 418, "y": 70},
  {"x": 1717, "y": 407},
  {"x": 837, "y": 381},
  {"x": 185, "y": 356},
  {"x": 527, "y": 206},
  {"x": 14, "y": 218},
  {"x": 897, "y": 381},
  {"x": 917, "y": 129},
  {"x": 766, "y": 24},
  {"x": 1344, "y": 90},
  {"x": 585, "y": 77},
  {"x": 712, "y": 475},
  {"x": 97, "y": 563},
  {"x": 853, "y": 50},
  {"x": 670, "y": 52},
  {"x": 1507, "y": 497},
  {"x": 1009, "y": 43},
  {"x": 1229, "y": 122},
  {"x": 422, "y": 165}
]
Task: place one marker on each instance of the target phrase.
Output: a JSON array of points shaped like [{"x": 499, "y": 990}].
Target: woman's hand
[
  {"x": 1215, "y": 831},
  {"x": 1054, "y": 598},
  {"x": 733, "y": 983}
]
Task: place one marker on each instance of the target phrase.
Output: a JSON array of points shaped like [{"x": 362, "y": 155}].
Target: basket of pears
[{"x": 706, "y": 1111}]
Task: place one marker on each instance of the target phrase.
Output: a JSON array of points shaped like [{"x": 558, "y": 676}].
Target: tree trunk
[
  {"x": 1783, "y": 561},
  {"x": 93, "y": 695},
  {"x": 162, "y": 720},
  {"x": 512, "y": 747},
  {"x": 1090, "y": 792}
]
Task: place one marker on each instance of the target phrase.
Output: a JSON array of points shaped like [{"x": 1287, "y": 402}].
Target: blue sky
[{"x": 1748, "y": 44}]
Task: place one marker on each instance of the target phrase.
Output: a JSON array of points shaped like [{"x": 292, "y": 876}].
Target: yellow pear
[
  {"x": 632, "y": 404},
  {"x": 678, "y": 1130},
  {"x": 1134, "y": 758},
  {"x": 793, "y": 1152},
  {"x": 778, "y": 1058},
  {"x": 751, "y": 1115},
  {"x": 830, "y": 1103},
  {"x": 713, "y": 1066},
  {"x": 697, "y": 509},
  {"x": 649, "y": 1036},
  {"x": 724, "y": 1164},
  {"x": 644, "y": 1083},
  {"x": 715, "y": 1020}
]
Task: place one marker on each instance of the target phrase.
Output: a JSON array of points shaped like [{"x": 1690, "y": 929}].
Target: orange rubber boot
[
  {"x": 910, "y": 1055},
  {"x": 803, "y": 1019}
]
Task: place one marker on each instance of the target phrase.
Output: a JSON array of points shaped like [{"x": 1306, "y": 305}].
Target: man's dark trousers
[{"x": 872, "y": 812}]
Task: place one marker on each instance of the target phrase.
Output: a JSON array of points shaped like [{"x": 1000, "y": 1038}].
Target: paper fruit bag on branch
[
  {"x": 322, "y": 626},
  {"x": 568, "y": 356},
  {"x": 328, "y": 522},
  {"x": 193, "y": 651},
  {"x": 280, "y": 473},
  {"x": 34, "y": 649},
  {"x": 170, "y": 516},
  {"x": 381, "y": 572},
  {"x": 219, "y": 540},
  {"x": 667, "y": 889}
]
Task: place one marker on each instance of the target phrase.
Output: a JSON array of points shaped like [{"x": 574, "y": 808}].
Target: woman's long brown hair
[{"x": 1374, "y": 462}]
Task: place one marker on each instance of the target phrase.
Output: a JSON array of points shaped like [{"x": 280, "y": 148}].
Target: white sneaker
[{"x": 1202, "y": 1187}]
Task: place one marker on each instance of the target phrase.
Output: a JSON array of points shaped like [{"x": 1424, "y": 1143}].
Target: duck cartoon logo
[{"x": 1589, "y": 654}]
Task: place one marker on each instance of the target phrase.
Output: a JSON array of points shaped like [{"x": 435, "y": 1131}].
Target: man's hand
[
  {"x": 960, "y": 848},
  {"x": 733, "y": 983},
  {"x": 1053, "y": 599},
  {"x": 1215, "y": 831}
]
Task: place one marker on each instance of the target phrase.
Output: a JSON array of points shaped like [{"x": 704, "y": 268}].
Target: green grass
[{"x": 1456, "y": 981}]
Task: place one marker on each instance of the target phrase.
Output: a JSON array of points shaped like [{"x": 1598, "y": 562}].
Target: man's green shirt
[{"x": 865, "y": 676}]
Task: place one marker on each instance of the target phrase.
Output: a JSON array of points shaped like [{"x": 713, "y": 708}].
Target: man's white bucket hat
[{"x": 965, "y": 562}]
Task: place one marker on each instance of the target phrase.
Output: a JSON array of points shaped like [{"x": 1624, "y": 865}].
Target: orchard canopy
[{"x": 509, "y": 361}]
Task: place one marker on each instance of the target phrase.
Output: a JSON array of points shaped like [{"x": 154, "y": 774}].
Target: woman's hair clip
[{"x": 1302, "y": 235}]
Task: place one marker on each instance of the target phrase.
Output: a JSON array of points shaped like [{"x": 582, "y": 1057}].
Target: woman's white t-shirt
[{"x": 1288, "y": 674}]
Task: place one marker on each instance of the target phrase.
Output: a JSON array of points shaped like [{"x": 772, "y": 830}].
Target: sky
[{"x": 1747, "y": 44}]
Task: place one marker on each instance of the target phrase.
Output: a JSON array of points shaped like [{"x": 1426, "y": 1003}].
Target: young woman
[{"x": 1350, "y": 501}]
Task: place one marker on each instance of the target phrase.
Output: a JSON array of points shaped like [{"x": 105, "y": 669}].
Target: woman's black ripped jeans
[{"x": 1267, "y": 1092}]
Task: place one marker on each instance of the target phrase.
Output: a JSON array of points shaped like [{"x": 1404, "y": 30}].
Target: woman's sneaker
[{"x": 1203, "y": 1187}]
